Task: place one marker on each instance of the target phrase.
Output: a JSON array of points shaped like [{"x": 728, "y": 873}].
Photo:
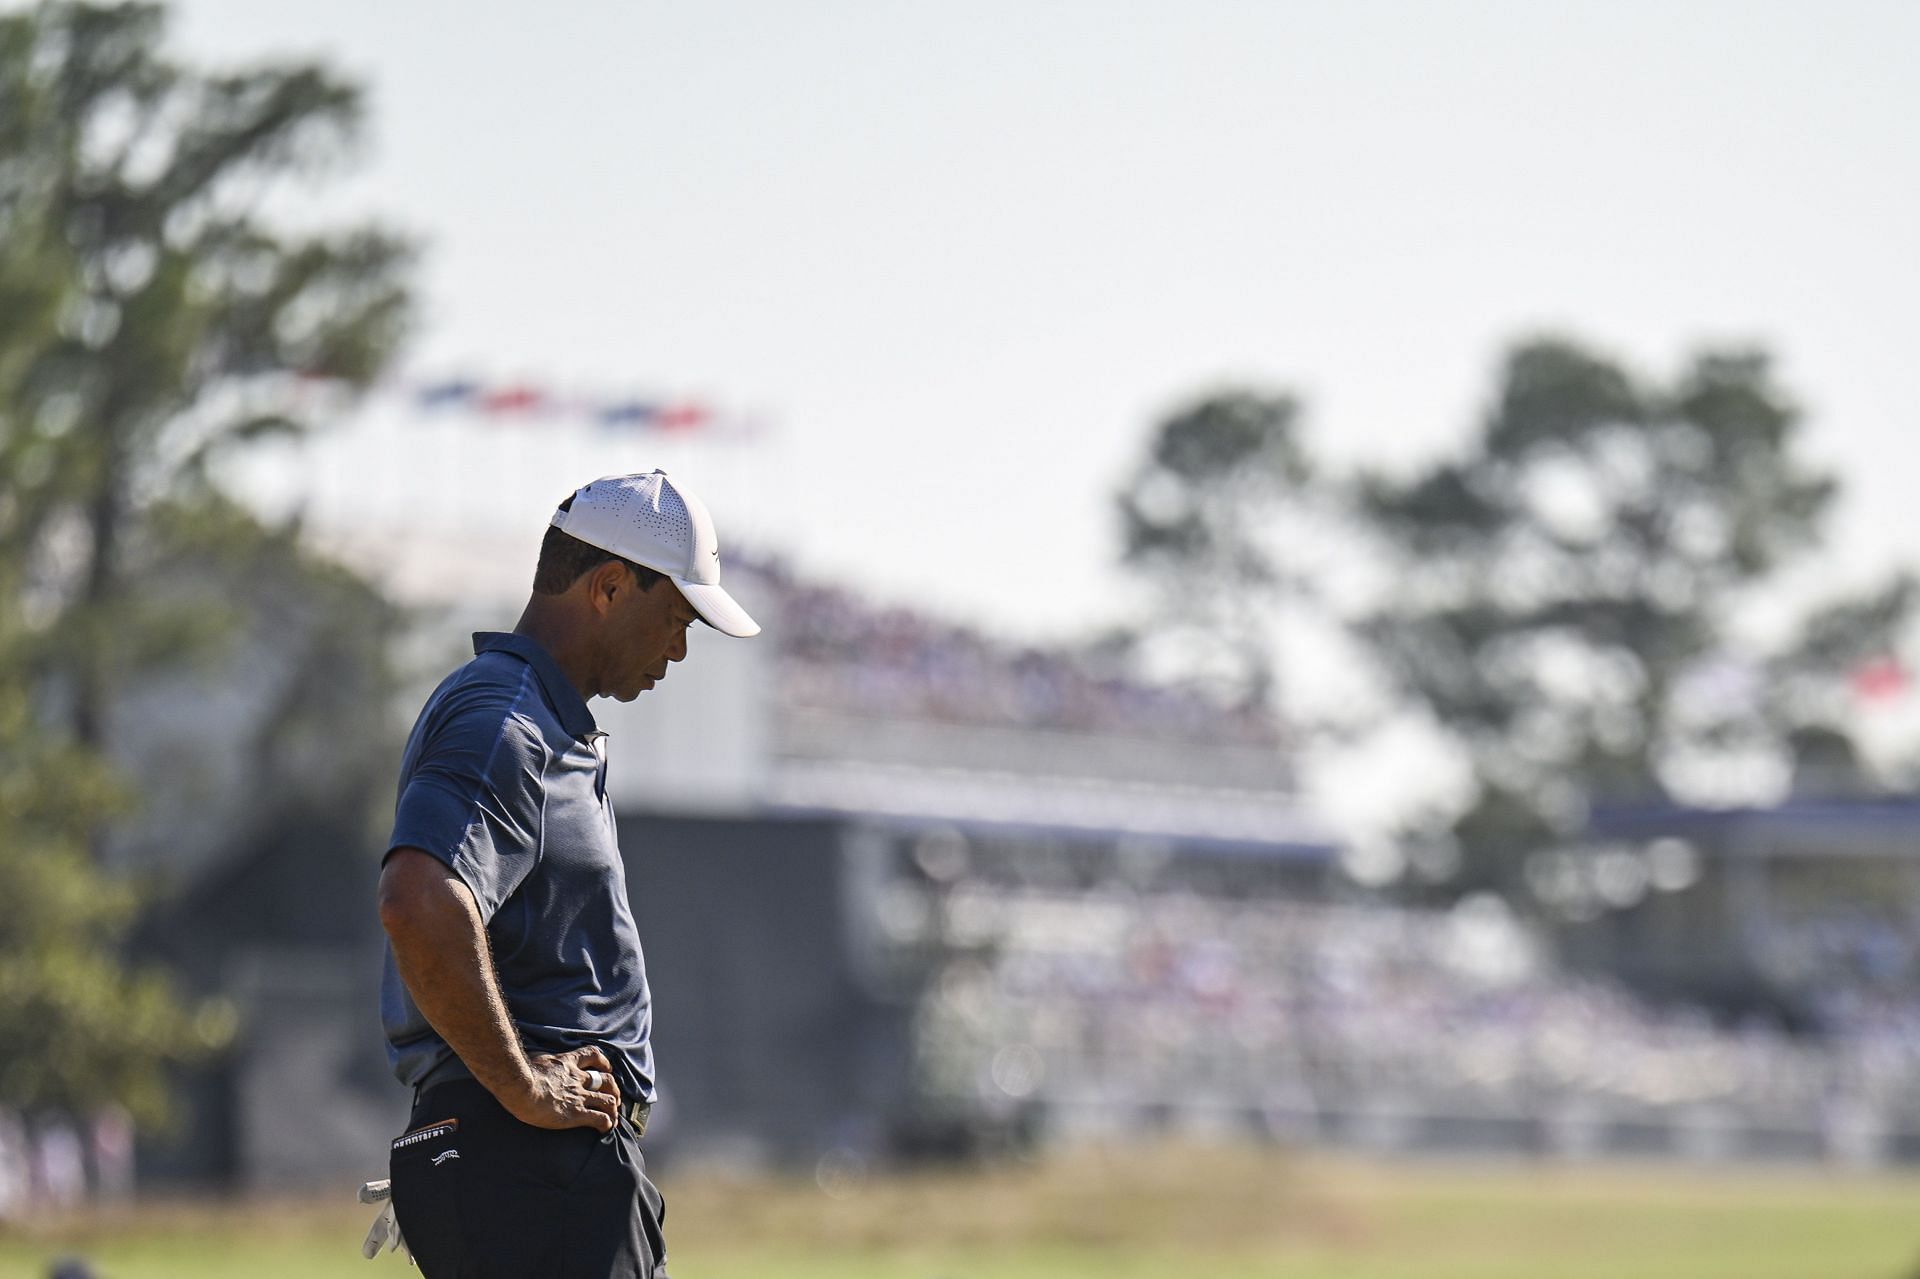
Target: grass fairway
[{"x": 1166, "y": 1213}]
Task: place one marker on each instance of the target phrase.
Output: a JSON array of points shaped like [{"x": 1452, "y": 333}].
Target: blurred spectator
[
  {"x": 60, "y": 1170},
  {"x": 15, "y": 1156},
  {"x": 112, "y": 1134}
]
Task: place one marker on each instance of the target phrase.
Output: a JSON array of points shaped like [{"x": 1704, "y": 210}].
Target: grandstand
[
  {"x": 758, "y": 790},
  {"x": 905, "y": 886},
  {"x": 926, "y": 803},
  {"x": 1062, "y": 905},
  {"x": 1790, "y": 905}
]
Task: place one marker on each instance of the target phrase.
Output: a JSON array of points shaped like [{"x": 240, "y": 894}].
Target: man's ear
[{"x": 603, "y": 583}]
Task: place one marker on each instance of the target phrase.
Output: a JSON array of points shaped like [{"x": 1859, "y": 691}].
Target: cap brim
[{"x": 719, "y": 609}]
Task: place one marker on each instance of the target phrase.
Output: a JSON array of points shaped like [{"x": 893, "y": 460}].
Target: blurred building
[
  {"x": 905, "y": 887},
  {"x": 824, "y": 828},
  {"x": 1796, "y": 925}
]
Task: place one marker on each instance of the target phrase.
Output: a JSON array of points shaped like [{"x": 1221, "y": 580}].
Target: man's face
[{"x": 646, "y": 631}]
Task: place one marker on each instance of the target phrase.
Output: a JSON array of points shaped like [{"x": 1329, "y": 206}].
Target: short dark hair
[{"x": 564, "y": 558}]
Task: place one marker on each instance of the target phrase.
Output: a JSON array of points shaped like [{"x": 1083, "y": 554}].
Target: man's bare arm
[{"x": 440, "y": 947}]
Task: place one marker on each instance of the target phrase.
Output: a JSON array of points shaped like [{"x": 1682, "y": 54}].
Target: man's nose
[{"x": 678, "y": 650}]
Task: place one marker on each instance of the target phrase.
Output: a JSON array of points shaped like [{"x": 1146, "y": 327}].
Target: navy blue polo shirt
[{"x": 504, "y": 780}]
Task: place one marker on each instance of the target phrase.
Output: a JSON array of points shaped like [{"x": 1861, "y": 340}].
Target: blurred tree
[
  {"x": 296, "y": 684},
  {"x": 1199, "y": 520},
  {"x": 1565, "y": 596},
  {"x": 164, "y": 318},
  {"x": 151, "y": 316},
  {"x": 77, "y": 1028}
]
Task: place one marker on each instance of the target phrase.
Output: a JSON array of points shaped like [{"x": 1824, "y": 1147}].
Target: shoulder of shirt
[{"x": 497, "y": 691}]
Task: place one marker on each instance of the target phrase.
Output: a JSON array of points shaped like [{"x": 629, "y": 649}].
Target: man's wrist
[{"x": 514, "y": 1087}]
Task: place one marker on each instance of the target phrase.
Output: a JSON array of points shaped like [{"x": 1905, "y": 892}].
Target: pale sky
[{"x": 962, "y": 256}]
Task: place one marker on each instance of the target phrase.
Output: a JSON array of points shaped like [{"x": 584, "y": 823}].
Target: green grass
[{"x": 1163, "y": 1212}]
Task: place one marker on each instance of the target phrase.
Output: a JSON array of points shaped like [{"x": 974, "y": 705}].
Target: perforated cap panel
[
  {"x": 648, "y": 502},
  {"x": 643, "y": 499},
  {"x": 640, "y": 517}
]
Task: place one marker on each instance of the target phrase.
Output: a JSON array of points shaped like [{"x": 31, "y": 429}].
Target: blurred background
[{"x": 1336, "y": 691}]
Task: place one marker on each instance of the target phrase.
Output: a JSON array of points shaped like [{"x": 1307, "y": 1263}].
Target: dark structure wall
[
  {"x": 766, "y": 1037},
  {"x": 1736, "y": 939},
  {"x": 285, "y": 927},
  {"x": 784, "y": 1013}
]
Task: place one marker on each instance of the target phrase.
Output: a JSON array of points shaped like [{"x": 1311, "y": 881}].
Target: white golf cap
[{"x": 654, "y": 522}]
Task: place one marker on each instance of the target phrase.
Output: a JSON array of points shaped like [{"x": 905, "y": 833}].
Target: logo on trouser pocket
[
  {"x": 425, "y": 1133},
  {"x": 445, "y": 1155}
]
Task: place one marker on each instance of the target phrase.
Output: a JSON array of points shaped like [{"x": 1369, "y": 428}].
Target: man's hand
[{"x": 567, "y": 1090}]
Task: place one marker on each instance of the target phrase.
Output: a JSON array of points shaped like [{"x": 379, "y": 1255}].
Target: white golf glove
[{"x": 385, "y": 1233}]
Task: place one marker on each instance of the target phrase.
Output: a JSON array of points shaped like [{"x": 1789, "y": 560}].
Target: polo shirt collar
[{"x": 561, "y": 694}]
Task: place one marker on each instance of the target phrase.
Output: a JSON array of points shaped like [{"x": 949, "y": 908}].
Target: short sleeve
[{"x": 473, "y": 800}]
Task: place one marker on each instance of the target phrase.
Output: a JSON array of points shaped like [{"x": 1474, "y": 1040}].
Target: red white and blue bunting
[{"x": 524, "y": 402}]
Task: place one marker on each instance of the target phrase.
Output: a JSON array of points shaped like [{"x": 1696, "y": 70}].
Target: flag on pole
[{"x": 1882, "y": 680}]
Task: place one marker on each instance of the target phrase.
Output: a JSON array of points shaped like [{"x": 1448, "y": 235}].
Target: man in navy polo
[{"x": 515, "y": 997}]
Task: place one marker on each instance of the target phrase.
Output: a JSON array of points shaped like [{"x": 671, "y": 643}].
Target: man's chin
[{"x": 646, "y": 683}]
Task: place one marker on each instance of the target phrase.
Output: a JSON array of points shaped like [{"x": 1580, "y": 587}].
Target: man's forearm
[{"x": 440, "y": 947}]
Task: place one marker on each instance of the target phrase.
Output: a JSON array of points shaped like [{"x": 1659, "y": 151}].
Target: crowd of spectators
[
  {"x": 52, "y": 1164},
  {"x": 1165, "y": 998},
  {"x": 842, "y": 653},
  {"x": 1110, "y": 994}
]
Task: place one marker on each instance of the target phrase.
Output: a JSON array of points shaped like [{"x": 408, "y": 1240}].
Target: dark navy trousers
[{"x": 480, "y": 1195}]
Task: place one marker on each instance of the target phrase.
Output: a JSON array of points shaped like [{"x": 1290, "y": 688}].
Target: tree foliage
[
  {"x": 298, "y": 658},
  {"x": 1566, "y": 590},
  {"x": 77, "y": 1028},
  {"x": 160, "y": 314},
  {"x": 151, "y": 316},
  {"x": 1198, "y": 521},
  {"x": 1567, "y": 597}
]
